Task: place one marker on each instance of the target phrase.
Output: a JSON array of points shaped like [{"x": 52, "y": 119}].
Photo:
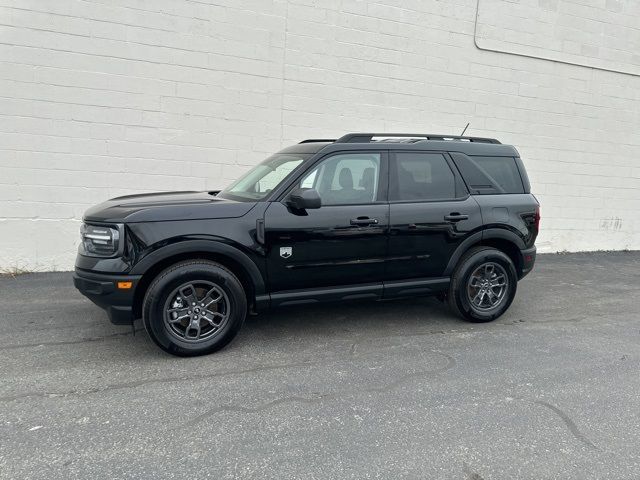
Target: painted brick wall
[
  {"x": 100, "y": 98},
  {"x": 602, "y": 34}
]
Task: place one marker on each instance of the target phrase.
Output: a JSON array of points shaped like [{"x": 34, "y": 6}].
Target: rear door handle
[
  {"x": 456, "y": 217},
  {"x": 361, "y": 221}
]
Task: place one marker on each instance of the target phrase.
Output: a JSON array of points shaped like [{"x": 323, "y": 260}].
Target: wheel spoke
[
  {"x": 209, "y": 299},
  {"x": 488, "y": 271},
  {"x": 477, "y": 299},
  {"x": 178, "y": 319},
  {"x": 188, "y": 292},
  {"x": 180, "y": 314},
  {"x": 193, "y": 325},
  {"x": 493, "y": 298},
  {"x": 177, "y": 310},
  {"x": 214, "y": 315}
]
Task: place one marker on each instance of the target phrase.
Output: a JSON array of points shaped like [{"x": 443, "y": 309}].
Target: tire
[
  {"x": 473, "y": 281},
  {"x": 181, "y": 320}
]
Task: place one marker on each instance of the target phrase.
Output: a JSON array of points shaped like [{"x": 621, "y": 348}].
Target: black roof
[
  {"x": 480, "y": 146},
  {"x": 410, "y": 137}
]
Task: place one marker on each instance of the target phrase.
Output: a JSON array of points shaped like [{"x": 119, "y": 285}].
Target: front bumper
[
  {"x": 102, "y": 290},
  {"x": 528, "y": 258}
]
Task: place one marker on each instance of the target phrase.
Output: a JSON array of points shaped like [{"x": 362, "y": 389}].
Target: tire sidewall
[
  {"x": 468, "y": 266},
  {"x": 153, "y": 314}
]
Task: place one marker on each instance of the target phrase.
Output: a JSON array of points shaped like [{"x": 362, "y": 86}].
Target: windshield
[{"x": 263, "y": 178}]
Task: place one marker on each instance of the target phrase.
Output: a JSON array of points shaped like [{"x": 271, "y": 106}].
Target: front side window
[
  {"x": 258, "y": 182},
  {"x": 421, "y": 176},
  {"x": 345, "y": 179}
]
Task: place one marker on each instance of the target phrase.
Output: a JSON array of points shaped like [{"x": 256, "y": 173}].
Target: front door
[
  {"x": 342, "y": 243},
  {"x": 431, "y": 214}
]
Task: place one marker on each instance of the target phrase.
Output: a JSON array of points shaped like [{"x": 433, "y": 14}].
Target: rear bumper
[
  {"x": 102, "y": 290},
  {"x": 528, "y": 258}
]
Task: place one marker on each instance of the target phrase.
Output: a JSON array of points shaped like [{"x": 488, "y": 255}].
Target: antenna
[{"x": 465, "y": 129}]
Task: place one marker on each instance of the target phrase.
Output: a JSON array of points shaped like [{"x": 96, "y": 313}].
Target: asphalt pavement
[{"x": 398, "y": 389}]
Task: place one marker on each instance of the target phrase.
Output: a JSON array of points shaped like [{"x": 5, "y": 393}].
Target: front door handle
[
  {"x": 456, "y": 217},
  {"x": 363, "y": 221}
]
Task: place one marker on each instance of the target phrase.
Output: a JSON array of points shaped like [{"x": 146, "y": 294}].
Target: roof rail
[
  {"x": 314, "y": 140},
  {"x": 369, "y": 137}
]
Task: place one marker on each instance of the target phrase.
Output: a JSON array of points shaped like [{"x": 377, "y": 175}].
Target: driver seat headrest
[{"x": 346, "y": 178}]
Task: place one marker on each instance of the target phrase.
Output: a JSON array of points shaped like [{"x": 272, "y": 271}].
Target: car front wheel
[{"x": 194, "y": 308}]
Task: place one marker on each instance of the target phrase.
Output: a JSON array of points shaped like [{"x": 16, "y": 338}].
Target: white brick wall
[
  {"x": 602, "y": 34},
  {"x": 100, "y": 98}
]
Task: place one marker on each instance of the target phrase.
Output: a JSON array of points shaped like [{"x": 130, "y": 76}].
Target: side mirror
[{"x": 304, "y": 199}]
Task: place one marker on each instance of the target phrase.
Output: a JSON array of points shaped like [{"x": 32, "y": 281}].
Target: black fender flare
[
  {"x": 504, "y": 234},
  {"x": 477, "y": 237},
  {"x": 207, "y": 246}
]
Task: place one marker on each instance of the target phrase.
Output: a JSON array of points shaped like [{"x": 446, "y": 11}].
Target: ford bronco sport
[{"x": 367, "y": 216}]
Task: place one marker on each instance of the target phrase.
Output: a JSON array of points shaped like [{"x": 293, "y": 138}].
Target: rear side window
[
  {"x": 421, "y": 176},
  {"x": 489, "y": 175}
]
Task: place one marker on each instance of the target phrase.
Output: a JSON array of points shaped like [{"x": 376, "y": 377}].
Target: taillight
[{"x": 536, "y": 219}]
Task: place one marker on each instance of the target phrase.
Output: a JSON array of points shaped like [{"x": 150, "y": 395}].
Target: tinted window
[
  {"x": 421, "y": 176},
  {"x": 490, "y": 175},
  {"x": 503, "y": 170},
  {"x": 344, "y": 179}
]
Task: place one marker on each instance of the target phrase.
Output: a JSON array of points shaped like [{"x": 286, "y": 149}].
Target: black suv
[{"x": 367, "y": 216}]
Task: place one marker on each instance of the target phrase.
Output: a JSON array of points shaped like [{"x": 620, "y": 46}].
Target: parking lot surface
[{"x": 397, "y": 389}]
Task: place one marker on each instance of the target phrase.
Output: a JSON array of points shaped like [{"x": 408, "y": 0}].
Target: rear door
[{"x": 431, "y": 213}]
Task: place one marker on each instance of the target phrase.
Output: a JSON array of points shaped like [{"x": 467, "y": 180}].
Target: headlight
[{"x": 99, "y": 241}]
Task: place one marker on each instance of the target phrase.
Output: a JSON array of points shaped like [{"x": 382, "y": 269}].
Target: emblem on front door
[{"x": 285, "y": 252}]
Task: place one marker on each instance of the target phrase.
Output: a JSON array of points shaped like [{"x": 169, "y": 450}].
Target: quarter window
[
  {"x": 490, "y": 175},
  {"x": 421, "y": 176},
  {"x": 502, "y": 171}
]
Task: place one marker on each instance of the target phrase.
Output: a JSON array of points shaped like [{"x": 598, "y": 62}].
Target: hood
[{"x": 166, "y": 206}]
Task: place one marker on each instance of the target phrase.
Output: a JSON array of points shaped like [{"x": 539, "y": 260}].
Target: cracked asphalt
[{"x": 398, "y": 389}]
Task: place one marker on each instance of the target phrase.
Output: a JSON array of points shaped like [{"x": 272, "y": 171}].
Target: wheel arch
[
  {"x": 230, "y": 257},
  {"x": 501, "y": 239}
]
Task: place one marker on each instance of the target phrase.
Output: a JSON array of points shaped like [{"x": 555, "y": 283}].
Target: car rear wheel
[
  {"x": 194, "y": 308},
  {"x": 483, "y": 285}
]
